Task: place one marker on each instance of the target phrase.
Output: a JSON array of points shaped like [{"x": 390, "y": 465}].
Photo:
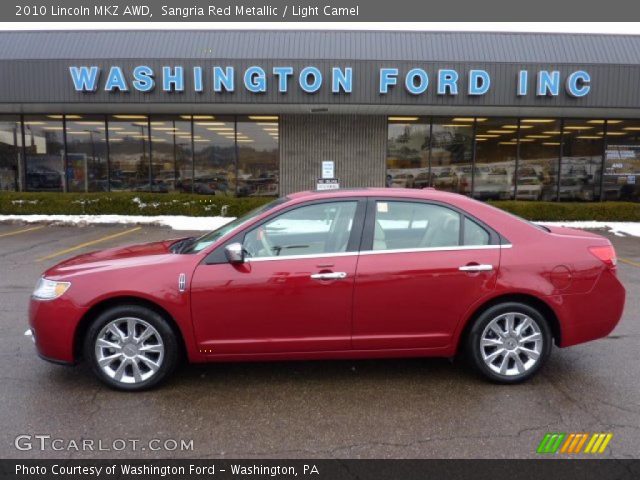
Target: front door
[
  {"x": 294, "y": 292},
  {"x": 425, "y": 266}
]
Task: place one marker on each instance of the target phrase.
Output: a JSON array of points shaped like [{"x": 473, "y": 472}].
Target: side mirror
[{"x": 234, "y": 253}]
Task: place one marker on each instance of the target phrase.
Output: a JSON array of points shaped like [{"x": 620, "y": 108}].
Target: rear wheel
[
  {"x": 131, "y": 347},
  {"x": 509, "y": 342}
]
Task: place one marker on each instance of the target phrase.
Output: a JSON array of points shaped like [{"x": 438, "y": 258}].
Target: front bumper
[{"x": 53, "y": 324}]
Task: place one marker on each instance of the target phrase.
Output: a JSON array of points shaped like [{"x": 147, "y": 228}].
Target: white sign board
[
  {"x": 328, "y": 169},
  {"x": 327, "y": 184}
]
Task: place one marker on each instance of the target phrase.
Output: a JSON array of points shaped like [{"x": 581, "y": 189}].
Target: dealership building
[{"x": 265, "y": 113}]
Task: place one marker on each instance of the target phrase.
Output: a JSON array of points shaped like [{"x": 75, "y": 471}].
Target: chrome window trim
[
  {"x": 436, "y": 249},
  {"x": 300, "y": 257},
  {"x": 378, "y": 252}
]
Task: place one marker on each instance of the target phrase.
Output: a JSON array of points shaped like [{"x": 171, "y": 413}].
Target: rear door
[{"x": 421, "y": 267}]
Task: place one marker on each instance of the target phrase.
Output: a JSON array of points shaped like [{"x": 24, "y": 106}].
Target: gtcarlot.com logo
[{"x": 573, "y": 443}]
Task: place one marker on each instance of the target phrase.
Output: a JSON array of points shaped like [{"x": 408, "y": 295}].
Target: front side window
[{"x": 313, "y": 229}]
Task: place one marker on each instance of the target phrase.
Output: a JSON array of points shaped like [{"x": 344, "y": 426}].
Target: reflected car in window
[{"x": 343, "y": 274}]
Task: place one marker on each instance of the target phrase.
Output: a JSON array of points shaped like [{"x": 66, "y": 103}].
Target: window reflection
[
  {"x": 215, "y": 155},
  {"x": 622, "y": 161},
  {"x": 10, "y": 151},
  {"x": 580, "y": 168},
  {"x": 171, "y": 154},
  {"x": 44, "y": 147},
  {"x": 539, "y": 155},
  {"x": 86, "y": 153},
  {"x": 496, "y": 153},
  {"x": 258, "y": 164},
  {"x": 452, "y": 153},
  {"x": 408, "y": 152},
  {"x": 129, "y": 154}
]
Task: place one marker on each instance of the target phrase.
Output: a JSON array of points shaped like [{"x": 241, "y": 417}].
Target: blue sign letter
[
  {"x": 283, "y": 74},
  {"x": 387, "y": 78},
  {"x": 115, "y": 79},
  {"x": 197, "y": 79},
  {"x": 143, "y": 78},
  {"x": 548, "y": 83},
  {"x": 578, "y": 83},
  {"x": 410, "y": 81},
  {"x": 523, "y": 80},
  {"x": 173, "y": 82},
  {"x": 254, "y": 80},
  {"x": 223, "y": 79},
  {"x": 341, "y": 80},
  {"x": 85, "y": 79},
  {"x": 479, "y": 82},
  {"x": 307, "y": 72},
  {"x": 447, "y": 80}
]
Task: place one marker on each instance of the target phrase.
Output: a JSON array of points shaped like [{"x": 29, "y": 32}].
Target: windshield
[{"x": 207, "y": 239}]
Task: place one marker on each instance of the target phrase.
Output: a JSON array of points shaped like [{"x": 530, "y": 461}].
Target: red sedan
[{"x": 367, "y": 273}]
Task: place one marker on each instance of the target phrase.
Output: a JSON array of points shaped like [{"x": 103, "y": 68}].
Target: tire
[
  {"x": 131, "y": 363},
  {"x": 525, "y": 346}
]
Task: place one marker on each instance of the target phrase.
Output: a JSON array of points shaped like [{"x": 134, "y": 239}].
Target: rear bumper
[
  {"x": 589, "y": 316},
  {"x": 54, "y": 324}
]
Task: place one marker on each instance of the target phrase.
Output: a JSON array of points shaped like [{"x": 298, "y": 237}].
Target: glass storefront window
[
  {"x": 129, "y": 153},
  {"x": 258, "y": 163},
  {"x": 537, "y": 174},
  {"x": 44, "y": 148},
  {"x": 581, "y": 165},
  {"x": 452, "y": 153},
  {"x": 408, "y": 152},
  {"x": 622, "y": 161},
  {"x": 496, "y": 152},
  {"x": 10, "y": 152},
  {"x": 87, "y": 169},
  {"x": 214, "y": 151},
  {"x": 171, "y": 154}
]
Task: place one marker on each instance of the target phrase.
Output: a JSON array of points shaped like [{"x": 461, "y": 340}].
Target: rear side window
[
  {"x": 414, "y": 225},
  {"x": 474, "y": 234},
  {"x": 400, "y": 225}
]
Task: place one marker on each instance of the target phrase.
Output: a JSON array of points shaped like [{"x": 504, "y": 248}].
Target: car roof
[{"x": 423, "y": 193}]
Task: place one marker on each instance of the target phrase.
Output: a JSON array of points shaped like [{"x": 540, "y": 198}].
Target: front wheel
[
  {"x": 509, "y": 342},
  {"x": 131, "y": 347}
]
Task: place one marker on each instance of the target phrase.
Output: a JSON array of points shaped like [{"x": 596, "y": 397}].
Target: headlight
[{"x": 49, "y": 289}]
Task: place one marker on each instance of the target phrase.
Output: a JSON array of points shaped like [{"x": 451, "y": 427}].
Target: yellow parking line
[
  {"x": 18, "y": 232},
  {"x": 87, "y": 244},
  {"x": 629, "y": 262}
]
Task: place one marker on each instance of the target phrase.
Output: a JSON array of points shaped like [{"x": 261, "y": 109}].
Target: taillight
[{"x": 606, "y": 253}]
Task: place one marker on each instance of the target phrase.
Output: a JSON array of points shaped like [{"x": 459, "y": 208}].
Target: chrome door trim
[
  {"x": 378, "y": 252},
  {"x": 436, "y": 249}
]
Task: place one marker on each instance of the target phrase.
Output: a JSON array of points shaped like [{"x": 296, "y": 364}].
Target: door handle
[
  {"x": 329, "y": 276},
  {"x": 476, "y": 268}
]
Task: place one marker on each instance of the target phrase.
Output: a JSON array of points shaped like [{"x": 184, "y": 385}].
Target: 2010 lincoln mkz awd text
[{"x": 366, "y": 273}]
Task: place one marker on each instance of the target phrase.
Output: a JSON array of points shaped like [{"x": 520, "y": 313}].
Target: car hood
[{"x": 119, "y": 257}]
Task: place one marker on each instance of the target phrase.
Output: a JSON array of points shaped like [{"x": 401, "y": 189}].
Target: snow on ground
[
  {"x": 178, "y": 222},
  {"x": 617, "y": 228}
]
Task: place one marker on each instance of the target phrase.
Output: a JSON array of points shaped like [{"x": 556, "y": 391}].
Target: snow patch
[
  {"x": 617, "y": 228},
  {"x": 183, "y": 222},
  {"x": 176, "y": 222}
]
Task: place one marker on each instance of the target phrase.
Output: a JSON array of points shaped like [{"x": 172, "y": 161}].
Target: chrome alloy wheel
[
  {"x": 511, "y": 344},
  {"x": 129, "y": 350}
]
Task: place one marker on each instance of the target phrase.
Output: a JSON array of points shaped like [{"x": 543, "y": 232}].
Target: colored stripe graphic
[
  {"x": 551, "y": 442},
  {"x": 572, "y": 443}
]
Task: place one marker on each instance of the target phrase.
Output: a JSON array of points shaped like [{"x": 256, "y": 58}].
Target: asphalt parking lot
[{"x": 422, "y": 408}]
